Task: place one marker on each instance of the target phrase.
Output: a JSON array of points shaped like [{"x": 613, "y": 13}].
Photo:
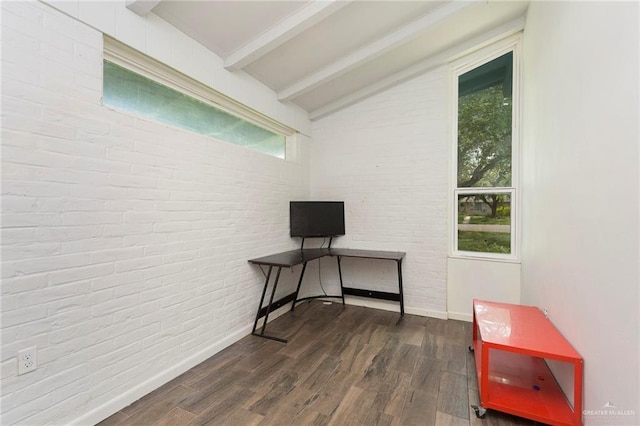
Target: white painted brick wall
[
  {"x": 124, "y": 241},
  {"x": 388, "y": 159}
]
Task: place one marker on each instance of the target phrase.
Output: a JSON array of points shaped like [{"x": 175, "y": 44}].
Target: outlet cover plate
[{"x": 27, "y": 360}]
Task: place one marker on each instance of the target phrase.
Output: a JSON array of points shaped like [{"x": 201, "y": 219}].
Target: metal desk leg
[
  {"x": 273, "y": 293},
  {"x": 340, "y": 275},
  {"x": 400, "y": 287},
  {"x": 295, "y": 299},
  {"x": 264, "y": 292},
  {"x": 268, "y": 307}
]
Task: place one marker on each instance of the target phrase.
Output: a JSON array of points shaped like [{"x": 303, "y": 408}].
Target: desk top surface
[{"x": 297, "y": 257}]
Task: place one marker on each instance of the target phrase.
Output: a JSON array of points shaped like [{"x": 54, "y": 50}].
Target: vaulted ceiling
[{"x": 324, "y": 55}]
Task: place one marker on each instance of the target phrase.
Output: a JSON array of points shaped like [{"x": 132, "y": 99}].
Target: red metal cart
[{"x": 511, "y": 344}]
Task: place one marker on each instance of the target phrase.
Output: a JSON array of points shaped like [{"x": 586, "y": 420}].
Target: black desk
[{"x": 292, "y": 258}]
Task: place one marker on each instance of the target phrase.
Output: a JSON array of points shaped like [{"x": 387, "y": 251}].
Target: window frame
[
  {"x": 460, "y": 66},
  {"x": 139, "y": 63}
]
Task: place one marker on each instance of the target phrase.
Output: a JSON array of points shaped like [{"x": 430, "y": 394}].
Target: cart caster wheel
[
  {"x": 480, "y": 411},
  {"x": 471, "y": 348}
]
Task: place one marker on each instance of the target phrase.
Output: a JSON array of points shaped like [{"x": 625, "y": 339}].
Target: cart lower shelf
[{"x": 524, "y": 386}]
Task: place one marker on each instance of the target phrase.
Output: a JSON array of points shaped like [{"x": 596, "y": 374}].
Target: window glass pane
[
  {"x": 131, "y": 92},
  {"x": 484, "y": 124},
  {"x": 484, "y": 223}
]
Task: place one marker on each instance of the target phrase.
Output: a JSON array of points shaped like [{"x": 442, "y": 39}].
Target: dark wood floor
[{"x": 342, "y": 366}]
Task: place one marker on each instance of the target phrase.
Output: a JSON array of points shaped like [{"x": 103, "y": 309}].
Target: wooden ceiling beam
[{"x": 277, "y": 35}]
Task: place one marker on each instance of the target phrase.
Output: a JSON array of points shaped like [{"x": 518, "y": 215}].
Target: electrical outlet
[
  {"x": 546, "y": 313},
  {"x": 27, "y": 360}
]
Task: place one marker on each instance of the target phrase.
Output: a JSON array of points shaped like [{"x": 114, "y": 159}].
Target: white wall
[
  {"x": 124, "y": 241},
  {"x": 469, "y": 279},
  {"x": 387, "y": 158},
  {"x": 581, "y": 190}
]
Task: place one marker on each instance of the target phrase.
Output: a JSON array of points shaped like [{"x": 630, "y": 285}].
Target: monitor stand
[{"x": 302, "y": 245}]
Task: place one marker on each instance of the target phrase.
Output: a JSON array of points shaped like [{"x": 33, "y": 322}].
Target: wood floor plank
[
  {"x": 219, "y": 408},
  {"x": 392, "y": 394},
  {"x": 223, "y": 360},
  {"x": 455, "y": 357},
  {"x": 158, "y": 408},
  {"x": 456, "y": 331},
  {"x": 443, "y": 419},
  {"x": 219, "y": 380},
  {"x": 307, "y": 418},
  {"x": 360, "y": 361},
  {"x": 349, "y": 352},
  {"x": 203, "y": 397},
  {"x": 430, "y": 344},
  {"x": 453, "y": 395},
  {"x": 331, "y": 395},
  {"x": 426, "y": 375},
  {"x": 264, "y": 358},
  {"x": 337, "y": 342},
  {"x": 346, "y": 404},
  {"x": 436, "y": 326},
  {"x": 265, "y": 367},
  {"x": 359, "y": 408},
  {"x": 296, "y": 347},
  {"x": 376, "y": 369},
  {"x": 239, "y": 416},
  {"x": 274, "y": 394},
  {"x": 404, "y": 357},
  {"x": 152, "y": 397},
  {"x": 411, "y": 333},
  {"x": 321, "y": 374},
  {"x": 177, "y": 416},
  {"x": 312, "y": 356},
  {"x": 419, "y": 408},
  {"x": 291, "y": 408}
]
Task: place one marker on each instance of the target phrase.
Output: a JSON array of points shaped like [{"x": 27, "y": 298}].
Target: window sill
[{"x": 483, "y": 258}]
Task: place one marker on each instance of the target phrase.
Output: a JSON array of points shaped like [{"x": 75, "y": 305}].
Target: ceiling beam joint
[{"x": 142, "y": 7}]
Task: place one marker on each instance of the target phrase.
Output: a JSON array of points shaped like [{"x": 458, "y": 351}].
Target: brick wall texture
[{"x": 124, "y": 241}]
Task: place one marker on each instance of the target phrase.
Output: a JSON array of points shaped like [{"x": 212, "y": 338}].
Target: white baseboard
[
  {"x": 372, "y": 303},
  {"x": 427, "y": 313},
  {"x": 392, "y": 306},
  {"x": 460, "y": 316}
]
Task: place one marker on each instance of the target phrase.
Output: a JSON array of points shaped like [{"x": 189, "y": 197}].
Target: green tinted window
[
  {"x": 484, "y": 124},
  {"x": 131, "y": 92}
]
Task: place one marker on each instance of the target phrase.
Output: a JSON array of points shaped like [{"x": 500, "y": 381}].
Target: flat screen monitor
[{"x": 316, "y": 218}]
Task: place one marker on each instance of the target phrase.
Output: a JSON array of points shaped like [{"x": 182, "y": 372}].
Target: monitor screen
[{"x": 316, "y": 218}]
